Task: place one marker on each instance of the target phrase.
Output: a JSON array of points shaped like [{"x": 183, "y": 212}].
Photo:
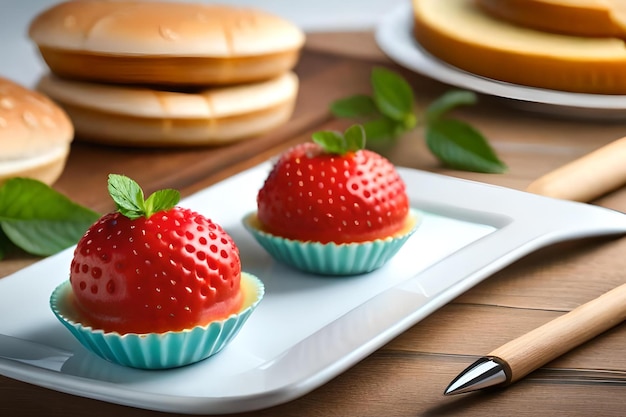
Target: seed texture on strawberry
[
  {"x": 152, "y": 267},
  {"x": 333, "y": 190}
]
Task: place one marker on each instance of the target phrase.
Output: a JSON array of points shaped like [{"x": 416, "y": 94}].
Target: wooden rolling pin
[{"x": 588, "y": 177}]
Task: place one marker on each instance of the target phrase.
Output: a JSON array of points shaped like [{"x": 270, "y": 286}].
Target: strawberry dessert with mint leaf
[
  {"x": 333, "y": 190},
  {"x": 153, "y": 267}
]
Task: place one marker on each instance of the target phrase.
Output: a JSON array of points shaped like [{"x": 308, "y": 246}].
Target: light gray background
[{"x": 20, "y": 62}]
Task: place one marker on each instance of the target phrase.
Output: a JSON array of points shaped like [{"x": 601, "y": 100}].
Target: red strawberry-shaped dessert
[
  {"x": 333, "y": 190},
  {"x": 333, "y": 207},
  {"x": 153, "y": 267}
]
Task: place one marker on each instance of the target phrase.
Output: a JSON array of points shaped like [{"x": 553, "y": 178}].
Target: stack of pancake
[{"x": 147, "y": 73}]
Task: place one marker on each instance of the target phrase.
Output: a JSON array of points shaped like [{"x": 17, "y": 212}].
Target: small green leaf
[
  {"x": 460, "y": 146},
  {"x": 5, "y": 243},
  {"x": 455, "y": 143},
  {"x": 392, "y": 94},
  {"x": 355, "y": 138},
  {"x": 129, "y": 198},
  {"x": 127, "y": 195},
  {"x": 339, "y": 143},
  {"x": 360, "y": 105},
  {"x": 331, "y": 140},
  {"x": 40, "y": 220},
  {"x": 162, "y": 200},
  {"x": 380, "y": 130},
  {"x": 449, "y": 101},
  {"x": 409, "y": 122}
]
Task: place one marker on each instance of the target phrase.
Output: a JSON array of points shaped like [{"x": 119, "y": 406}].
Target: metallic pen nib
[{"x": 485, "y": 372}]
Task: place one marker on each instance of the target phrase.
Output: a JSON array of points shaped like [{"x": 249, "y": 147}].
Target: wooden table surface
[{"x": 407, "y": 376}]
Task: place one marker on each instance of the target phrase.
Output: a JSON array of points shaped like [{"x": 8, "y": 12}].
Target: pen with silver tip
[{"x": 519, "y": 357}]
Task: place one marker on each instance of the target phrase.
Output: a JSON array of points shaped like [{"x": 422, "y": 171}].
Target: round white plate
[{"x": 394, "y": 36}]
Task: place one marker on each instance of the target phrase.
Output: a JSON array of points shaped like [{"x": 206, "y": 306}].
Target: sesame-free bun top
[
  {"x": 208, "y": 35},
  {"x": 35, "y": 134},
  {"x": 163, "y": 28}
]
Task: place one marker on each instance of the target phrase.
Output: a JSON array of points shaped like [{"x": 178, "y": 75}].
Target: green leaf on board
[
  {"x": 389, "y": 113},
  {"x": 460, "y": 146},
  {"x": 359, "y": 105},
  {"x": 447, "y": 102},
  {"x": 5, "y": 244},
  {"x": 382, "y": 129},
  {"x": 40, "y": 220},
  {"x": 392, "y": 94}
]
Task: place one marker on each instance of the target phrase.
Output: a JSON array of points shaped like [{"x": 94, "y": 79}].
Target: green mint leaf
[
  {"x": 339, "y": 143},
  {"x": 355, "y": 138},
  {"x": 5, "y": 244},
  {"x": 409, "y": 122},
  {"x": 449, "y": 101},
  {"x": 453, "y": 142},
  {"x": 392, "y": 94},
  {"x": 129, "y": 198},
  {"x": 460, "y": 146},
  {"x": 381, "y": 130},
  {"x": 162, "y": 200},
  {"x": 40, "y": 220},
  {"x": 360, "y": 105},
  {"x": 331, "y": 141},
  {"x": 127, "y": 195}
]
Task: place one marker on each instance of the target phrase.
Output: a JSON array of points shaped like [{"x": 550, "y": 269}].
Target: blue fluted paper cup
[
  {"x": 331, "y": 258},
  {"x": 158, "y": 350}
]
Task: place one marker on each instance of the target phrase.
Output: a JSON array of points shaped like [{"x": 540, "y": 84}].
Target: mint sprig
[
  {"x": 393, "y": 97},
  {"x": 461, "y": 146},
  {"x": 38, "y": 219},
  {"x": 5, "y": 244},
  {"x": 352, "y": 140},
  {"x": 389, "y": 113},
  {"x": 129, "y": 198},
  {"x": 355, "y": 106}
]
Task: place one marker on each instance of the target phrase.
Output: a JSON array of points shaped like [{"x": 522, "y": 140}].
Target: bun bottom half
[
  {"x": 123, "y": 130},
  {"x": 143, "y": 117},
  {"x": 46, "y": 168},
  {"x": 167, "y": 70}
]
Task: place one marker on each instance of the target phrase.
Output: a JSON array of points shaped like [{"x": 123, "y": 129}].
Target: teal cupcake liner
[
  {"x": 330, "y": 258},
  {"x": 158, "y": 350}
]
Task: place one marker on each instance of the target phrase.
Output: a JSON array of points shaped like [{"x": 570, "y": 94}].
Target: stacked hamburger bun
[
  {"x": 151, "y": 73},
  {"x": 530, "y": 42},
  {"x": 35, "y": 134}
]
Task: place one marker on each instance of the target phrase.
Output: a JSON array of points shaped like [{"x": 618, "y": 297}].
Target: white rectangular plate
[{"x": 308, "y": 329}]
